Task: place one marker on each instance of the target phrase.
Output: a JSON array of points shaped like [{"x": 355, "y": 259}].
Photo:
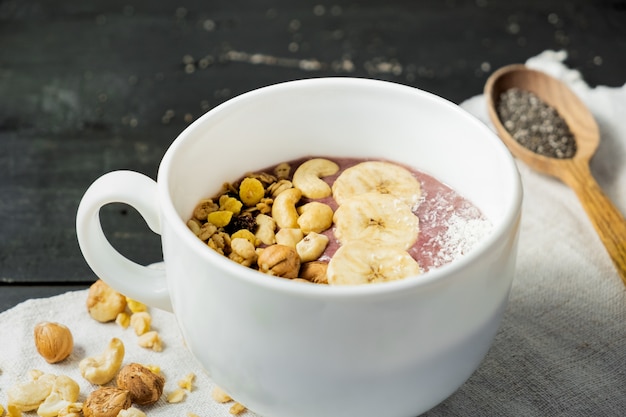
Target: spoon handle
[{"x": 605, "y": 217}]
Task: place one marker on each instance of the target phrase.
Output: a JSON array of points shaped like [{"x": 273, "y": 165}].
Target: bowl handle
[{"x": 138, "y": 282}]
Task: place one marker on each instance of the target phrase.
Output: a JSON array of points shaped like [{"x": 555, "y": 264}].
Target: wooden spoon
[{"x": 605, "y": 217}]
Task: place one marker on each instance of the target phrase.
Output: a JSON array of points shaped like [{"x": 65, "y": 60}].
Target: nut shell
[
  {"x": 106, "y": 402},
  {"x": 145, "y": 386},
  {"x": 53, "y": 341}
]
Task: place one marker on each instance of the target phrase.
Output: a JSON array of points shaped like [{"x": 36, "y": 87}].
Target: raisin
[{"x": 242, "y": 221}]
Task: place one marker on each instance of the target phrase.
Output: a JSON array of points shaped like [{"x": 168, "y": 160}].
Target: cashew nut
[
  {"x": 311, "y": 247},
  {"x": 52, "y": 405},
  {"x": 49, "y": 394},
  {"x": 29, "y": 395},
  {"x": 141, "y": 322},
  {"x": 265, "y": 231},
  {"x": 104, "y": 303},
  {"x": 308, "y": 177},
  {"x": 151, "y": 340},
  {"x": 284, "y": 209},
  {"x": 289, "y": 236},
  {"x": 55, "y": 405},
  {"x": 67, "y": 388},
  {"x": 102, "y": 368},
  {"x": 315, "y": 217},
  {"x": 72, "y": 410}
]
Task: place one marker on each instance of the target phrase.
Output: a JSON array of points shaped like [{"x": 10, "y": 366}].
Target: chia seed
[{"x": 535, "y": 124}]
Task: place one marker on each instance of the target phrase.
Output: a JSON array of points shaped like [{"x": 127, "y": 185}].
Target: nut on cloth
[{"x": 18, "y": 353}]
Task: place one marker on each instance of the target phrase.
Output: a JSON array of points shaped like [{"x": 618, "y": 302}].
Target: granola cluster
[
  {"x": 233, "y": 213},
  {"x": 263, "y": 222}
]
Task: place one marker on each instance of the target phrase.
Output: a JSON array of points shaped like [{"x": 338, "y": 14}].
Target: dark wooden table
[{"x": 87, "y": 87}]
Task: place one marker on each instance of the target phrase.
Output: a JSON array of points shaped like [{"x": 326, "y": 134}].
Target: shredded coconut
[
  {"x": 450, "y": 226},
  {"x": 461, "y": 236}
]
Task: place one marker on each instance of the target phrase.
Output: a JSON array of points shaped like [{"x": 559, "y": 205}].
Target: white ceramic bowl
[{"x": 287, "y": 349}]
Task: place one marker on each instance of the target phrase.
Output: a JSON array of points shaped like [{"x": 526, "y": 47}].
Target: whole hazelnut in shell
[
  {"x": 280, "y": 261},
  {"x": 53, "y": 341},
  {"x": 106, "y": 402},
  {"x": 145, "y": 386}
]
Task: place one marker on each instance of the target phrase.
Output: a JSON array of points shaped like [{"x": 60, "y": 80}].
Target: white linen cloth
[{"x": 561, "y": 349}]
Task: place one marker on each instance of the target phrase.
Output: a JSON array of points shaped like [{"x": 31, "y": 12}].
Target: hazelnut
[
  {"x": 314, "y": 271},
  {"x": 279, "y": 260},
  {"x": 145, "y": 386},
  {"x": 106, "y": 402},
  {"x": 53, "y": 341}
]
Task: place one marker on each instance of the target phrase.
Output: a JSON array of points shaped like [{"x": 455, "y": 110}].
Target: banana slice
[
  {"x": 380, "y": 177},
  {"x": 360, "y": 262},
  {"x": 374, "y": 217}
]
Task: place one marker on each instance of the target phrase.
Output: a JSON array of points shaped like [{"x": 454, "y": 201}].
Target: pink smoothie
[{"x": 450, "y": 225}]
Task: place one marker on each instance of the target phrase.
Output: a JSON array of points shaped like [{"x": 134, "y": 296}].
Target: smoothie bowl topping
[{"x": 340, "y": 221}]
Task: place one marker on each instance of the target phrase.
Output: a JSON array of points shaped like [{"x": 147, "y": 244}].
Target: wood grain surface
[{"x": 87, "y": 87}]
